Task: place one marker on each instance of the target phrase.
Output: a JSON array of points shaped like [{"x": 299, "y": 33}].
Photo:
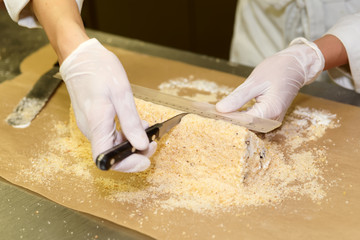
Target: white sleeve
[
  {"x": 347, "y": 30},
  {"x": 20, "y": 12}
]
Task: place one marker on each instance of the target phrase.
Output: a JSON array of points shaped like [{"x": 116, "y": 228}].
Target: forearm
[
  {"x": 333, "y": 51},
  {"x": 62, "y": 23}
]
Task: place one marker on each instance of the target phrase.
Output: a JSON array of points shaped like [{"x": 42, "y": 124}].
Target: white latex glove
[
  {"x": 276, "y": 81},
  {"x": 99, "y": 90}
]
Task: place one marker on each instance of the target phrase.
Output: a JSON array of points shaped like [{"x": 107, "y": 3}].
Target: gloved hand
[
  {"x": 99, "y": 90},
  {"x": 275, "y": 82}
]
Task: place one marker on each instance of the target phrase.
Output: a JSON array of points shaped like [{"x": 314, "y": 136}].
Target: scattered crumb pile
[
  {"x": 201, "y": 90},
  {"x": 202, "y": 165},
  {"x": 304, "y": 125},
  {"x": 194, "y": 88}
]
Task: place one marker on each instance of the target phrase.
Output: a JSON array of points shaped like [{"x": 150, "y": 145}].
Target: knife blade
[
  {"x": 121, "y": 151},
  {"x": 34, "y": 101}
]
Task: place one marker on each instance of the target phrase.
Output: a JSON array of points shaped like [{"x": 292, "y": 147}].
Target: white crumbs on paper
[
  {"x": 199, "y": 89},
  {"x": 316, "y": 117}
]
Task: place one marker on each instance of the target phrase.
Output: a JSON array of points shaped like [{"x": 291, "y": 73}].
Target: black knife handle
[{"x": 119, "y": 152}]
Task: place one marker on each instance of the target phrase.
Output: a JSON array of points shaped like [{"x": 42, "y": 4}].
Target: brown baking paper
[{"x": 336, "y": 217}]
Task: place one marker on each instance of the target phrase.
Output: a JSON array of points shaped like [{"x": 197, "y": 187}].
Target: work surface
[{"x": 338, "y": 217}]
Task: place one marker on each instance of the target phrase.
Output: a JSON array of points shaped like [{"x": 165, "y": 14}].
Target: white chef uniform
[
  {"x": 264, "y": 27},
  {"x": 20, "y": 12},
  {"x": 348, "y": 31}
]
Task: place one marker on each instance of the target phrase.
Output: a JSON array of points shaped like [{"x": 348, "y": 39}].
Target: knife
[
  {"x": 119, "y": 152},
  {"x": 29, "y": 106}
]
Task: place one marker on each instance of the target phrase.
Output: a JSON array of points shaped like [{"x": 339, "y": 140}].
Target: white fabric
[
  {"x": 264, "y": 27},
  {"x": 20, "y": 12},
  {"x": 348, "y": 31}
]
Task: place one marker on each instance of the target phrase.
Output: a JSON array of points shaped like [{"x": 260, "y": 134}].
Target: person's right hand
[
  {"x": 99, "y": 90},
  {"x": 276, "y": 81}
]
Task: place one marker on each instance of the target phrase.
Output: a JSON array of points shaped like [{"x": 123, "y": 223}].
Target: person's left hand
[{"x": 276, "y": 81}]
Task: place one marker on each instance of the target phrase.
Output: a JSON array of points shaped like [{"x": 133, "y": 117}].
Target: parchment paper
[{"x": 336, "y": 218}]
